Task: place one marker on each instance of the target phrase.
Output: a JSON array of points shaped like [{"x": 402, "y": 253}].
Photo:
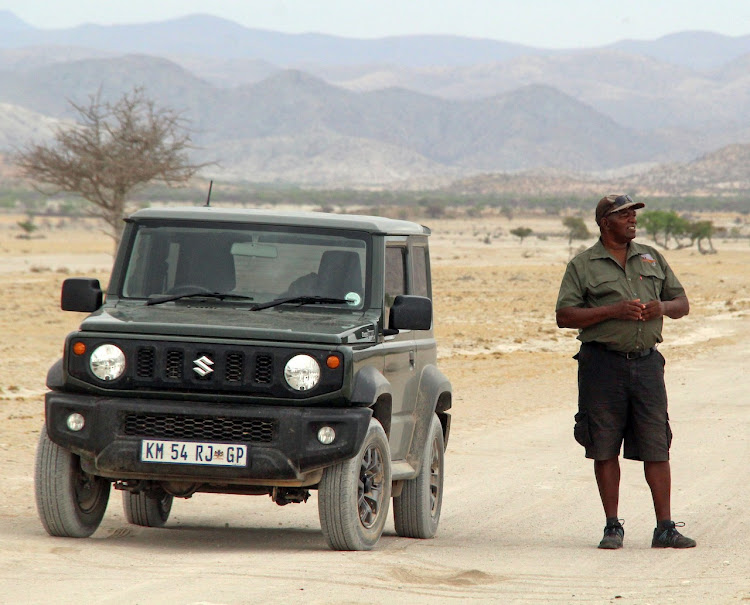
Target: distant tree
[
  {"x": 577, "y": 229},
  {"x": 115, "y": 148},
  {"x": 652, "y": 222},
  {"x": 677, "y": 227},
  {"x": 521, "y": 232},
  {"x": 700, "y": 230},
  {"x": 28, "y": 227},
  {"x": 668, "y": 224},
  {"x": 433, "y": 210}
]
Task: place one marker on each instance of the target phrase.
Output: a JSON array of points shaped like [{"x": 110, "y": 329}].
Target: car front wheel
[
  {"x": 354, "y": 495},
  {"x": 71, "y": 503}
]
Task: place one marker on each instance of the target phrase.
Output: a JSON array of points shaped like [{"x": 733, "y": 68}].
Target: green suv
[{"x": 251, "y": 352}]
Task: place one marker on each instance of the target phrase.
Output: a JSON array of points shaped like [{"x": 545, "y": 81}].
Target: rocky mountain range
[{"x": 411, "y": 111}]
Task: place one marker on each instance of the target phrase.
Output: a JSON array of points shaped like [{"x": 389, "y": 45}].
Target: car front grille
[
  {"x": 145, "y": 361},
  {"x": 201, "y": 369},
  {"x": 235, "y": 367},
  {"x": 173, "y": 364},
  {"x": 264, "y": 369},
  {"x": 220, "y": 428},
  {"x": 219, "y": 369}
]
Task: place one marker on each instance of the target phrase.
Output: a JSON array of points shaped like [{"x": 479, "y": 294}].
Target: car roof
[{"x": 371, "y": 224}]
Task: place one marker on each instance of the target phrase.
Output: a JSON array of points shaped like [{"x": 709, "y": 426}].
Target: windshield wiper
[
  {"x": 157, "y": 300},
  {"x": 301, "y": 300}
]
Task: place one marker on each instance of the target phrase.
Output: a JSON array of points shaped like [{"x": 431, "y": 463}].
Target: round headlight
[
  {"x": 302, "y": 372},
  {"x": 107, "y": 362}
]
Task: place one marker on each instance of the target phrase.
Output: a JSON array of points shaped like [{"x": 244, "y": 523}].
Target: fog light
[
  {"x": 326, "y": 435},
  {"x": 75, "y": 422}
]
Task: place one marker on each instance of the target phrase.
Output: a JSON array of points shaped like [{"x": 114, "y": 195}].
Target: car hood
[{"x": 225, "y": 321}]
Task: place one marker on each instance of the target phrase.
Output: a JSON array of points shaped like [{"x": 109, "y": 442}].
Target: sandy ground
[{"x": 521, "y": 515}]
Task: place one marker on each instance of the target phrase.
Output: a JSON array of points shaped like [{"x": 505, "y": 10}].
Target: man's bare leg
[
  {"x": 659, "y": 479},
  {"x": 607, "y": 474}
]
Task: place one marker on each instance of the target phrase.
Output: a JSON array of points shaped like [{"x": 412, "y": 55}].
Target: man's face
[{"x": 621, "y": 225}]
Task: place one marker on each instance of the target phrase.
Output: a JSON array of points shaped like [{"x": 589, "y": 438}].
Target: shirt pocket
[
  {"x": 652, "y": 279},
  {"x": 604, "y": 285}
]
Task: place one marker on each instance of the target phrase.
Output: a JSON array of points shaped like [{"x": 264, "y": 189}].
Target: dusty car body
[{"x": 251, "y": 352}]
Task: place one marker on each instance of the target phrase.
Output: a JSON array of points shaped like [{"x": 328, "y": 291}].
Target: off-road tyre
[
  {"x": 416, "y": 511},
  {"x": 354, "y": 495},
  {"x": 70, "y": 502}
]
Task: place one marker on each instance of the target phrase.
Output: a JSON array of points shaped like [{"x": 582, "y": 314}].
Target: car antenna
[{"x": 208, "y": 198}]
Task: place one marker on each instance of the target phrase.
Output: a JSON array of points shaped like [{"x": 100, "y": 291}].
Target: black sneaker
[
  {"x": 613, "y": 535},
  {"x": 669, "y": 537}
]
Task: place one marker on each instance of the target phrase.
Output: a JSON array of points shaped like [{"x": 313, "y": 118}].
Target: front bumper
[{"x": 282, "y": 440}]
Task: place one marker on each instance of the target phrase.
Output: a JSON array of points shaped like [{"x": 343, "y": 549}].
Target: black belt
[
  {"x": 634, "y": 354},
  {"x": 626, "y": 355}
]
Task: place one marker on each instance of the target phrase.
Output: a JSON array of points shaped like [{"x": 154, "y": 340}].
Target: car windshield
[{"x": 249, "y": 265}]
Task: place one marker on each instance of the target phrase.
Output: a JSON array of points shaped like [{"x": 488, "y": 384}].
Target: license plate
[{"x": 191, "y": 452}]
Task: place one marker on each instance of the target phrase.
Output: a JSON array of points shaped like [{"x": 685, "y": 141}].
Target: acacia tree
[
  {"x": 667, "y": 223},
  {"x": 577, "y": 229},
  {"x": 521, "y": 232},
  {"x": 114, "y": 149},
  {"x": 701, "y": 230},
  {"x": 28, "y": 227}
]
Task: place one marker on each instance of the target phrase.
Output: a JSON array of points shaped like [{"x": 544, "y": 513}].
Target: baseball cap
[{"x": 614, "y": 203}]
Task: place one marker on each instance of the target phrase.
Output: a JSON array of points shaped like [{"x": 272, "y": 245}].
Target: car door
[
  {"x": 400, "y": 352},
  {"x": 419, "y": 284}
]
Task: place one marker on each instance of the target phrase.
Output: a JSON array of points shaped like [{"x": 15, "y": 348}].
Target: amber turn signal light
[
  {"x": 333, "y": 362},
  {"x": 79, "y": 348}
]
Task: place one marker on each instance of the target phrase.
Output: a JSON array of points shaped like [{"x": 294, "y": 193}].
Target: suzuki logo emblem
[{"x": 203, "y": 366}]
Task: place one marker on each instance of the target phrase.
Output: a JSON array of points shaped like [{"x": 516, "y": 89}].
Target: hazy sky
[{"x": 543, "y": 23}]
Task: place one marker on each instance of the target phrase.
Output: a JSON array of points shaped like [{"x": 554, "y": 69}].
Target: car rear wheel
[
  {"x": 71, "y": 503},
  {"x": 354, "y": 495},
  {"x": 416, "y": 512},
  {"x": 148, "y": 509}
]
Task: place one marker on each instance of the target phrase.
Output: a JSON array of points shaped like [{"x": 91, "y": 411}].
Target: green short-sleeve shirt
[{"x": 595, "y": 279}]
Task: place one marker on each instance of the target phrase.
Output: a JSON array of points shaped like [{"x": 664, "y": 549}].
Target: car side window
[
  {"x": 395, "y": 274},
  {"x": 419, "y": 283}
]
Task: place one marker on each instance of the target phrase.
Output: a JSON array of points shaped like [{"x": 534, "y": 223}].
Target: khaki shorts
[{"x": 622, "y": 400}]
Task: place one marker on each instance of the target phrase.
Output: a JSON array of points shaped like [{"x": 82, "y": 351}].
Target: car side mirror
[
  {"x": 410, "y": 313},
  {"x": 81, "y": 294}
]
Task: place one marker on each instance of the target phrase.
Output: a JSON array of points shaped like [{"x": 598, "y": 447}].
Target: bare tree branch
[{"x": 115, "y": 148}]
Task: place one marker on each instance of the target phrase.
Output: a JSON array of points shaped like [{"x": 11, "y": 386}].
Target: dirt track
[{"x": 521, "y": 517}]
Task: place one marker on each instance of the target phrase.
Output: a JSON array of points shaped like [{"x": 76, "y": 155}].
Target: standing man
[{"x": 616, "y": 294}]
